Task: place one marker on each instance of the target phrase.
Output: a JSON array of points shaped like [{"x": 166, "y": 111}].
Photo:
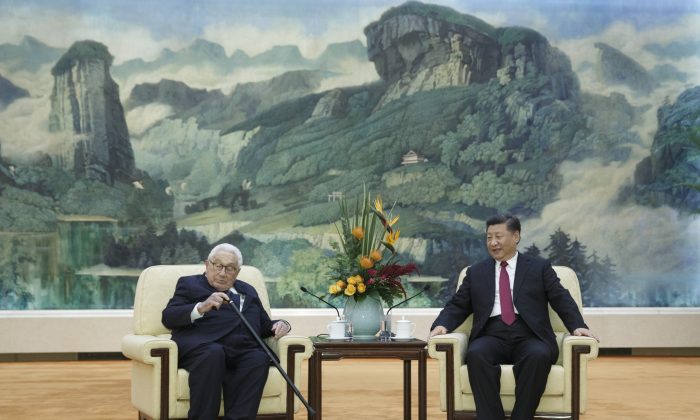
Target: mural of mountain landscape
[{"x": 141, "y": 136}]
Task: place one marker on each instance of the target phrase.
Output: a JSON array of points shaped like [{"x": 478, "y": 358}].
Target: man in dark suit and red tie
[
  {"x": 508, "y": 295},
  {"x": 214, "y": 345}
]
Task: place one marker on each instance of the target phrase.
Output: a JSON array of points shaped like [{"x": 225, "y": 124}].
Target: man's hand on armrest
[
  {"x": 585, "y": 332},
  {"x": 439, "y": 330}
]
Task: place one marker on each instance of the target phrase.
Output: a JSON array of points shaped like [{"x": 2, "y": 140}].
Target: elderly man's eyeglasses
[{"x": 229, "y": 269}]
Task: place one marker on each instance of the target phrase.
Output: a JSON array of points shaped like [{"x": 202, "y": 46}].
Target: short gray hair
[{"x": 229, "y": 249}]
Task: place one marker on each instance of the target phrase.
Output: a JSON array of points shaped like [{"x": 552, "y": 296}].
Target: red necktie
[{"x": 507, "y": 309}]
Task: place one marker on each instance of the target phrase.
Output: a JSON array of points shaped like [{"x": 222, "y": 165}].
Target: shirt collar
[{"x": 511, "y": 262}]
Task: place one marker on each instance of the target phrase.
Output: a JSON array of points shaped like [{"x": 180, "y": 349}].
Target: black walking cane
[{"x": 272, "y": 357}]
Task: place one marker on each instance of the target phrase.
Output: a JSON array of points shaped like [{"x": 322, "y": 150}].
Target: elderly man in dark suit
[
  {"x": 214, "y": 345},
  {"x": 508, "y": 295}
]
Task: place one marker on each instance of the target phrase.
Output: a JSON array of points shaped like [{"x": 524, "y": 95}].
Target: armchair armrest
[
  {"x": 570, "y": 344},
  {"x": 138, "y": 347},
  {"x": 284, "y": 343},
  {"x": 450, "y": 350},
  {"x": 576, "y": 353},
  {"x": 155, "y": 364},
  {"x": 458, "y": 341}
]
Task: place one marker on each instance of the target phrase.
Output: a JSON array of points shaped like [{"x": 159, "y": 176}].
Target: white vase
[{"x": 366, "y": 316}]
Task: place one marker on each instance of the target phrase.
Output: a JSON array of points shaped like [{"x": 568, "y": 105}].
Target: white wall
[{"x": 86, "y": 331}]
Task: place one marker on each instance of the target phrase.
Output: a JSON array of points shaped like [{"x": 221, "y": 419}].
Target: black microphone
[
  {"x": 426, "y": 287},
  {"x": 305, "y": 290}
]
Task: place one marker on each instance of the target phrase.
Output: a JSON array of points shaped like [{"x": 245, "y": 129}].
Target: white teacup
[
  {"x": 405, "y": 329},
  {"x": 336, "y": 329}
]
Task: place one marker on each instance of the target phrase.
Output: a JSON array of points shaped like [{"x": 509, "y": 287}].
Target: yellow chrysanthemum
[
  {"x": 366, "y": 263},
  {"x": 352, "y": 280},
  {"x": 333, "y": 289},
  {"x": 358, "y": 232},
  {"x": 350, "y": 290},
  {"x": 375, "y": 255},
  {"x": 358, "y": 279},
  {"x": 361, "y": 288},
  {"x": 340, "y": 284}
]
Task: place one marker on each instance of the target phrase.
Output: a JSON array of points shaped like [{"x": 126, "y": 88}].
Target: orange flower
[
  {"x": 358, "y": 232},
  {"x": 340, "y": 284},
  {"x": 366, "y": 263},
  {"x": 350, "y": 290},
  {"x": 361, "y": 288},
  {"x": 375, "y": 255}
]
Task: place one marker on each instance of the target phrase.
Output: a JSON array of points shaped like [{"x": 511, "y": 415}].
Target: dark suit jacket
[
  {"x": 535, "y": 285},
  {"x": 215, "y": 324}
]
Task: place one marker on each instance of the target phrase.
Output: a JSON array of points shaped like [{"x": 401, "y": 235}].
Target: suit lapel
[
  {"x": 485, "y": 273},
  {"x": 520, "y": 270}
]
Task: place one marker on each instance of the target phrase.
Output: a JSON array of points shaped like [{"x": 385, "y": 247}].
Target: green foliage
[
  {"x": 82, "y": 50},
  {"x": 420, "y": 184},
  {"x": 513, "y": 35},
  {"x": 45, "y": 180},
  {"x": 559, "y": 244},
  {"x": 533, "y": 251},
  {"x": 499, "y": 193},
  {"x": 95, "y": 198},
  {"x": 318, "y": 214},
  {"x": 146, "y": 247},
  {"x": 305, "y": 269},
  {"x": 129, "y": 205},
  {"x": 274, "y": 257},
  {"x": 14, "y": 293},
  {"x": 26, "y": 211},
  {"x": 450, "y": 145},
  {"x": 600, "y": 285}
]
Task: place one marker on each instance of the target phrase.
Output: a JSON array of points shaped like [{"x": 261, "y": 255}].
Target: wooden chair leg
[
  {"x": 164, "y": 355},
  {"x": 576, "y": 353}
]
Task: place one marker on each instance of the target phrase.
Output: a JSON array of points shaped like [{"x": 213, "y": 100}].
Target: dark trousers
[
  {"x": 503, "y": 344},
  {"x": 235, "y": 364}
]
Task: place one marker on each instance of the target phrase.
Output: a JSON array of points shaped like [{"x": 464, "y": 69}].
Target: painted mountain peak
[
  {"x": 417, "y": 47},
  {"x": 85, "y": 105}
]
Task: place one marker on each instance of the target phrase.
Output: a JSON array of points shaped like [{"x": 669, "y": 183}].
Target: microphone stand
[
  {"x": 426, "y": 287},
  {"x": 262, "y": 344},
  {"x": 305, "y": 290}
]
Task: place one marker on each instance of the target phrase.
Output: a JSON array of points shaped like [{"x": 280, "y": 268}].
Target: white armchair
[
  {"x": 159, "y": 390},
  {"x": 565, "y": 393}
]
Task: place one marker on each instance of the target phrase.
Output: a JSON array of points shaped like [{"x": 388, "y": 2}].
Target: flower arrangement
[{"x": 366, "y": 261}]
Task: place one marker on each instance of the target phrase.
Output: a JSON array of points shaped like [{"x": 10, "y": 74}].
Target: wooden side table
[{"x": 407, "y": 351}]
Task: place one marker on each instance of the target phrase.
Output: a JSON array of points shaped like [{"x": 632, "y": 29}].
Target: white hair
[{"x": 229, "y": 249}]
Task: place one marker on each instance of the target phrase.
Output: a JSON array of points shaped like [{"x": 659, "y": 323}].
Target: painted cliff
[{"x": 85, "y": 106}]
